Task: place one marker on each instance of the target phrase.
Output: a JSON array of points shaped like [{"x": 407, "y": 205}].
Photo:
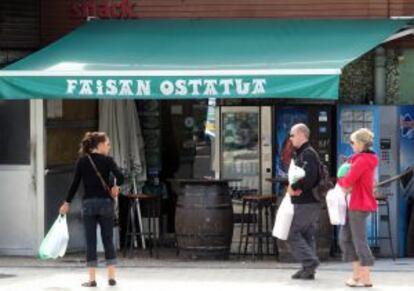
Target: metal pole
[
  {"x": 139, "y": 212},
  {"x": 394, "y": 178}
]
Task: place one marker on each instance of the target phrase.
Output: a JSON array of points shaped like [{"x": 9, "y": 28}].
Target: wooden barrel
[
  {"x": 204, "y": 220},
  {"x": 323, "y": 235}
]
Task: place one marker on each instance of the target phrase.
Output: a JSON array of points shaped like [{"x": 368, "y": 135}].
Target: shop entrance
[{"x": 178, "y": 145}]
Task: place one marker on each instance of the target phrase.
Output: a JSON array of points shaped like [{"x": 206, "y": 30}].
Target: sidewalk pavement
[{"x": 143, "y": 273}]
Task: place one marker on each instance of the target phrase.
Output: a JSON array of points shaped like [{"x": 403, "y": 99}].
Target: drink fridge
[
  {"x": 243, "y": 147},
  {"x": 319, "y": 120},
  {"x": 242, "y": 151},
  {"x": 393, "y": 128}
]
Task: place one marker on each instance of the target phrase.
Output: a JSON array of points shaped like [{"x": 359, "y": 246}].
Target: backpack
[{"x": 324, "y": 183}]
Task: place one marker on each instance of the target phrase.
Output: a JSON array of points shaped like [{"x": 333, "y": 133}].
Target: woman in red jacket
[{"x": 360, "y": 182}]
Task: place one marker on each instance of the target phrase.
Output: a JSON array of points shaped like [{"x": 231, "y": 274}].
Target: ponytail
[{"x": 90, "y": 142}]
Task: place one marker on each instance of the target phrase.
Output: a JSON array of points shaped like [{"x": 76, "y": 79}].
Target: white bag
[
  {"x": 336, "y": 203},
  {"x": 295, "y": 173},
  {"x": 284, "y": 219},
  {"x": 56, "y": 241}
]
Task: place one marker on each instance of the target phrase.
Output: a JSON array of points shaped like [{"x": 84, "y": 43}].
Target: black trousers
[{"x": 99, "y": 211}]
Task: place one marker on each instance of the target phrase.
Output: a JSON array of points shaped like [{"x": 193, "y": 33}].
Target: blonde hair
[{"x": 364, "y": 136}]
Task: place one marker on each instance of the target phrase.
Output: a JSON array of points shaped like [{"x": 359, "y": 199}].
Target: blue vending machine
[
  {"x": 394, "y": 145},
  {"x": 285, "y": 118},
  {"x": 405, "y": 201},
  {"x": 319, "y": 119},
  {"x": 351, "y": 118}
]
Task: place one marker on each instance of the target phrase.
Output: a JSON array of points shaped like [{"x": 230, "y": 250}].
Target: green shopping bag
[
  {"x": 343, "y": 170},
  {"x": 56, "y": 241}
]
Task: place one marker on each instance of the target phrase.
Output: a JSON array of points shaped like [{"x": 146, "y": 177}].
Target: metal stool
[
  {"x": 383, "y": 202},
  {"x": 148, "y": 206},
  {"x": 255, "y": 206}
]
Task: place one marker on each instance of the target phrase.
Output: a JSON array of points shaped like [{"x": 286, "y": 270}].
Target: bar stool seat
[
  {"x": 148, "y": 206},
  {"x": 383, "y": 202},
  {"x": 259, "y": 208}
]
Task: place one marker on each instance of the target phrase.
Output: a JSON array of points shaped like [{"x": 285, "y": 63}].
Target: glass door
[{"x": 240, "y": 148}]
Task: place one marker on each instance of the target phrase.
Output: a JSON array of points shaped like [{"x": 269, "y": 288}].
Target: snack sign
[{"x": 104, "y": 9}]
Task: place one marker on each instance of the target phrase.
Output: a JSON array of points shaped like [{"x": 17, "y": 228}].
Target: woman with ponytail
[{"x": 94, "y": 167}]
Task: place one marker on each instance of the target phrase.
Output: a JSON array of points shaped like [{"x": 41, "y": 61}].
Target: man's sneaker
[
  {"x": 298, "y": 274},
  {"x": 307, "y": 275},
  {"x": 304, "y": 275}
]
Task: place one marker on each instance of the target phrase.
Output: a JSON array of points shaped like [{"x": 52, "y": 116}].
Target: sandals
[
  {"x": 89, "y": 284},
  {"x": 351, "y": 282}
]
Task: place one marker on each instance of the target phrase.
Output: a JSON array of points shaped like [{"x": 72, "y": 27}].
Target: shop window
[
  {"x": 15, "y": 132},
  {"x": 66, "y": 123}
]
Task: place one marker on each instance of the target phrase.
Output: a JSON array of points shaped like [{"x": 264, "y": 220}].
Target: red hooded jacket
[{"x": 360, "y": 178}]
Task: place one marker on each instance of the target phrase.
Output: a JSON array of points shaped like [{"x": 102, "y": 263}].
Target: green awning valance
[{"x": 162, "y": 59}]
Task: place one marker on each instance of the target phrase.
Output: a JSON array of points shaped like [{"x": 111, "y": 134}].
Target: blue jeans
[{"x": 99, "y": 211}]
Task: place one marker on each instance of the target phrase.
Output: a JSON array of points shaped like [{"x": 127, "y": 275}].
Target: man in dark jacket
[{"x": 301, "y": 238}]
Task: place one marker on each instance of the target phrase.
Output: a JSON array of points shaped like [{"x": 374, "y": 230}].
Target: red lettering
[
  {"x": 128, "y": 9},
  {"x": 116, "y": 10},
  {"x": 76, "y": 10},
  {"x": 103, "y": 9},
  {"x": 89, "y": 8}
]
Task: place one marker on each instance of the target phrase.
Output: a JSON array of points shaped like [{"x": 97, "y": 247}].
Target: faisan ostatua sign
[
  {"x": 165, "y": 88},
  {"x": 46, "y": 85}
]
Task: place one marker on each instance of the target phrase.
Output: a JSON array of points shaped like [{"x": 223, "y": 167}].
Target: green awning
[{"x": 169, "y": 59}]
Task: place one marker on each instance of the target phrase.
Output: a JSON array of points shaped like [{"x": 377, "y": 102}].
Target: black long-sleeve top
[
  {"x": 93, "y": 186},
  {"x": 306, "y": 158}
]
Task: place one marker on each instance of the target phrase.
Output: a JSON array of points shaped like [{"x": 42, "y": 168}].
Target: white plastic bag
[
  {"x": 56, "y": 241},
  {"x": 295, "y": 173},
  {"x": 336, "y": 204},
  {"x": 284, "y": 218}
]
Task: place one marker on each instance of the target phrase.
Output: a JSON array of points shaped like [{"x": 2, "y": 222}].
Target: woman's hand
[{"x": 64, "y": 209}]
